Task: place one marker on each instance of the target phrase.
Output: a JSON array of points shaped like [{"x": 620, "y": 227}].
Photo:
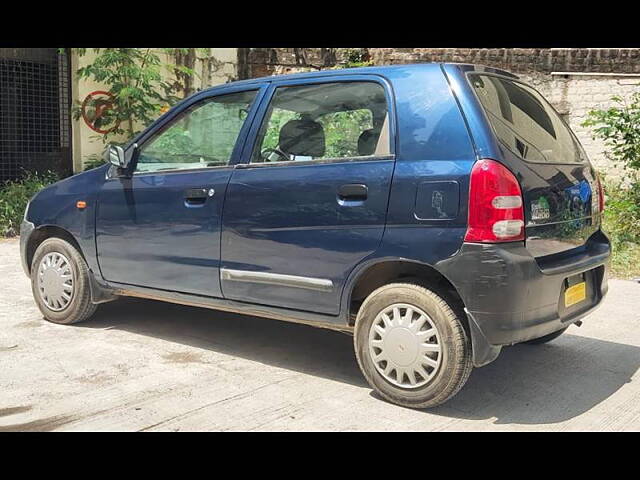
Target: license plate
[{"x": 575, "y": 294}]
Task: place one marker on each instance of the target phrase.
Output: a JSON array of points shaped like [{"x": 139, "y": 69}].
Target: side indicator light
[{"x": 81, "y": 204}]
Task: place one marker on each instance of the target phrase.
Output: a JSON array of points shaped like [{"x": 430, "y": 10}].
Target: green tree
[
  {"x": 619, "y": 127},
  {"x": 355, "y": 57},
  {"x": 134, "y": 77}
]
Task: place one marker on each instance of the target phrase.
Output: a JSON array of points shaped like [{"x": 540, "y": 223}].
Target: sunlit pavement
[{"x": 144, "y": 365}]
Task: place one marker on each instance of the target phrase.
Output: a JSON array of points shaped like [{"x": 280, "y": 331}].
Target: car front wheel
[
  {"x": 411, "y": 346},
  {"x": 60, "y": 282}
]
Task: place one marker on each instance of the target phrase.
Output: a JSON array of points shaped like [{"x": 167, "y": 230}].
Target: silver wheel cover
[
  {"x": 55, "y": 281},
  {"x": 405, "y": 346}
]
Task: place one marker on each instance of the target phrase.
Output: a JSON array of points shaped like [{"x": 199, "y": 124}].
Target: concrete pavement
[{"x": 145, "y": 365}]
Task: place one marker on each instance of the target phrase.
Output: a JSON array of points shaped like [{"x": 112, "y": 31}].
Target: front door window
[{"x": 202, "y": 136}]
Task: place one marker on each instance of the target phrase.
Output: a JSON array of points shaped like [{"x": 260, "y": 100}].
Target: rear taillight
[{"x": 495, "y": 204}]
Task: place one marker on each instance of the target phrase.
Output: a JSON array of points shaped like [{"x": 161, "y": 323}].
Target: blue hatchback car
[{"x": 437, "y": 211}]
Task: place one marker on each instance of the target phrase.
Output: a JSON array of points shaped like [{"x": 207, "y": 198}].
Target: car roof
[{"x": 373, "y": 70}]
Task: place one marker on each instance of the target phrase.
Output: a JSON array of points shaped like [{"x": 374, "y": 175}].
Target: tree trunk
[
  {"x": 328, "y": 56},
  {"x": 186, "y": 59},
  {"x": 243, "y": 71},
  {"x": 301, "y": 59}
]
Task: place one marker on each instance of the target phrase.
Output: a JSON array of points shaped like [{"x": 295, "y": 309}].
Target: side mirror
[{"x": 115, "y": 156}]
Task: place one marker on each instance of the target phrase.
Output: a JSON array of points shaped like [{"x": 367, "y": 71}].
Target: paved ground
[{"x": 143, "y": 365}]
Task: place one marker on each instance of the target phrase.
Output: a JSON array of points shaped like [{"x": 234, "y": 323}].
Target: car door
[
  {"x": 309, "y": 199},
  {"x": 159, "y": 227}
]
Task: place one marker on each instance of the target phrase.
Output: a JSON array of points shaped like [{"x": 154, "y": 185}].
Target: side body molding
[{"x": 310, "y": 283}]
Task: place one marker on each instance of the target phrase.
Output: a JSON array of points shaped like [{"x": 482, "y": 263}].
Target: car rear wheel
[
  {"x": 411, "y": 346},
  {"x": 60, "y": 282},
  {"x": 546, "y": 338}
]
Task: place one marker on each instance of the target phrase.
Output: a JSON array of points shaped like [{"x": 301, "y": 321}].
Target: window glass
[
  {"x": 332, "y": 120},
  {"x": 203, "y": 136},
  {"x": 343, "y": 130},
  {"x": 525, "y": 122}
]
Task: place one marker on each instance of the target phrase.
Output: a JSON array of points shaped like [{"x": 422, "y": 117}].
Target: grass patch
[
  {"x": 622, "y": 224},
  {"x": 625, "y": 260}
]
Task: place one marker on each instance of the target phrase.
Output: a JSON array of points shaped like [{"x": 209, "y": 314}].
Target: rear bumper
[
  {"x": 511, "y": 297},
  {"x": 26, "y": 229}
]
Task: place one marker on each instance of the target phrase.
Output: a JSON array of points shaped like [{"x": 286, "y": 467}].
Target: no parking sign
[{"x": 98, "y": 112}]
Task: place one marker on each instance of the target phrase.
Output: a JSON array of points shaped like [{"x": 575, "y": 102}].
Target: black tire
[
  {"x": 546, "y": 338},
  {"x": 456, "y": 362},
  {"x": 80, "y": 307}
]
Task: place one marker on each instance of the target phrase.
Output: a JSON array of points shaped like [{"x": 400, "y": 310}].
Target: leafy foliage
[
  {"x": 277, "y": 120},
  {"x": 355, "y": 57},
  {"x": 14, "y": 196},
  {"x": 173, "y": 142},
  {"x": 619, "y": 127},
  {"x": 93, "y": 161},
  {"x": 622, "y": 224},
  {"x": 342, "y": 130},
  {"x": 134, "y": 77},
  {"x": 622, "y": 214}
]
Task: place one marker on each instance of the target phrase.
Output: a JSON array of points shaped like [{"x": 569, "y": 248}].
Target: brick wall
[
  {"x": 260, "y": 62},
  {"x": 613, "y": 72},
  {"x": 521, "y": 60}
]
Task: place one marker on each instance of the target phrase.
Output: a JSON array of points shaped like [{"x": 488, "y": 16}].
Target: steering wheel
[{"x": 266, "y": 153}]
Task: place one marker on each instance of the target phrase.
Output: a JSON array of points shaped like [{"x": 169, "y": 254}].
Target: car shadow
[
  {"x": 314, "y": 351},
  {"x": 544, "y": 384},
  {"x": 527, "y": 384}
]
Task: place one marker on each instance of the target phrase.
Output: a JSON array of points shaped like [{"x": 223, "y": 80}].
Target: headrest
[
  {"x": 302, "y": 137},
  {"x": 367, "y": 143}
]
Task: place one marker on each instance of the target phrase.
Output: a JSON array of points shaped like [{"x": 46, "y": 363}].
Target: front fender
[
  {"x": 26, "y": 229},
  {"x": 56, "y": 206}
]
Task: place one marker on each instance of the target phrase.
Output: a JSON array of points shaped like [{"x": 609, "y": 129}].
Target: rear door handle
[{"x": 353, "y": 192}]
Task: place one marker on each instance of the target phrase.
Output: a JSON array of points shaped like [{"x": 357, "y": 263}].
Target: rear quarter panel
[
  {"x": 434, "y": 146},
  {"x": 434, "y": 151}
]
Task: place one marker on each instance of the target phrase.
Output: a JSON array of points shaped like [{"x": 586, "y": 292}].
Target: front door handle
[
  {"x": 197, "y": 196},
  {"x": 353, "y": 192}
]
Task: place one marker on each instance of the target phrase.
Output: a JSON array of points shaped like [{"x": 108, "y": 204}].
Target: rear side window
[
  {"x": 324, "y": 121},
  {"x": 525, "y": 122}
]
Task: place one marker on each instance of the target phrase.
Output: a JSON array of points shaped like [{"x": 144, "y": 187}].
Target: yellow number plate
[{"x": 575, "y": 294}]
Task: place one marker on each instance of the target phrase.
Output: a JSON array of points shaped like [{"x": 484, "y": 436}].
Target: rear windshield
[{"x": 525, "y": 122}]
